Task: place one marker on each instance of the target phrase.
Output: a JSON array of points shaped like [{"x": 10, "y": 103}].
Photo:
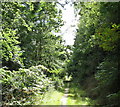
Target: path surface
[
  {"x": 70, "y": 96},
  {"x": 64, "y": 98}
]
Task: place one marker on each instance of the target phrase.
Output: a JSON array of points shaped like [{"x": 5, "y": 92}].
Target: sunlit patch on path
[
  {"x": 64, "y": 98},
  {"x": 67, "y": 97}
]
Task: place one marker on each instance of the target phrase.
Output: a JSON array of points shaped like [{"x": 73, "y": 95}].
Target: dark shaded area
[{"x": 95, "y": 60}]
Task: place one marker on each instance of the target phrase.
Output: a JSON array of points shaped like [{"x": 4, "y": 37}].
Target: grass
[
  {"x": 52, "y": 97},
  {"x": 76, "y": 96},
  {"x": 78, "y": 100}
]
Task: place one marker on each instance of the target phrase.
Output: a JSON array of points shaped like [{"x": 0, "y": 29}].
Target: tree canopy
[
  {"x": 95, "y": 58},
  {"x": 28, "y": 34},
  {"x": 34, "y": 58}
]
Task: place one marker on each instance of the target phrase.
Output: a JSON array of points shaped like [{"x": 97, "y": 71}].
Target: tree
[
  {"x": 95, "y": 57},
  {"x": 28, "y": 31}
]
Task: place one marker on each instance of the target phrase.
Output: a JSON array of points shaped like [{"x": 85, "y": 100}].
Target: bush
[
  {"x": 108, "y": 82},
  {"x": 19, "y": 86}
]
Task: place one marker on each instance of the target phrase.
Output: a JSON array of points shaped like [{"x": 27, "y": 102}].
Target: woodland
[{"x": 37, "y": 65}]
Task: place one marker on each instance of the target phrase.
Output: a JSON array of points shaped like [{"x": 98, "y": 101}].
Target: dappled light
[{"x": 60, "y": 53}]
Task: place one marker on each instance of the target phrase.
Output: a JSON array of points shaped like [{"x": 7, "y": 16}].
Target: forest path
[
  {"x": 64, "y": 98},
  {"x": 74, "y": 95},
  {"x": 69, "y": 95}
]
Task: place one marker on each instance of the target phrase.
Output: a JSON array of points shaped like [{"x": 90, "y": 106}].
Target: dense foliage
[
  {"x": 35, "y": 59},
  {"x": 95, "y": 60},
  {"x": 19, "y": 87},
  {"x": 32, "y": 55},
  {"x": 28, "y": 34}
]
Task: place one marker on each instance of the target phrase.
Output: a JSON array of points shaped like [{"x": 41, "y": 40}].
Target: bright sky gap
[{"x": 69, "y": 28}]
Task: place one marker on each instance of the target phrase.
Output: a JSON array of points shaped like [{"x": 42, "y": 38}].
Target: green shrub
[
  {"x": 108, "y": 82},
  {"x": 19, "y": 86}
]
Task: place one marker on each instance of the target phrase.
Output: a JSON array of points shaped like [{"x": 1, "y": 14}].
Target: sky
[{"x": 70, "y": 25}]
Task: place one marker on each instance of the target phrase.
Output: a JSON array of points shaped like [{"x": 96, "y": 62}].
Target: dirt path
[
  {"x": 69, "y": 96},
  {"x": 64, "y": 98}
]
